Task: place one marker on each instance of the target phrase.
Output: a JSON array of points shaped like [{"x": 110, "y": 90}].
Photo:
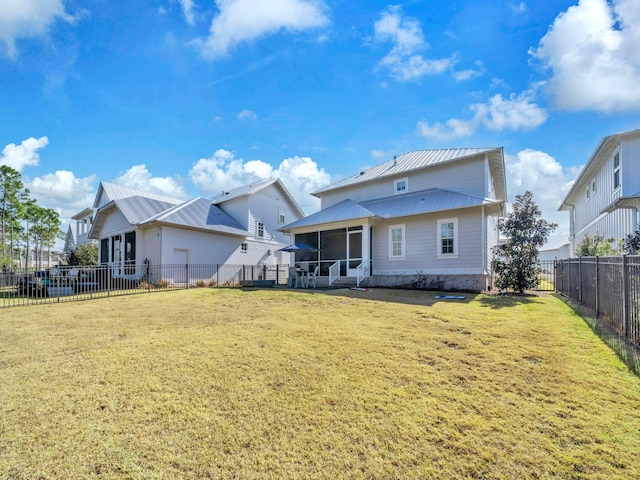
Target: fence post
[
  {"x": 597, "y": 289},
  {"x": 625, "y": 297},
  {"x": 580, "y": 280},
  {"x": 217, "y": 275},
  {"x": 186, "y": 274}
]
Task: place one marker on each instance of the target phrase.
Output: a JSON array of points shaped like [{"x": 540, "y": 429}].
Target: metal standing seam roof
[
  {"x": 408, "y": 162},
  {"x": 344, "y": 210},
  {"x": 114, "y": 191},
  {"x": 427, "y": 201},
  {"x": 200, "y": 214}
]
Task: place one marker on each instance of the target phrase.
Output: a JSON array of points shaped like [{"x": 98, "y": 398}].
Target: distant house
[
  {"x": 427, "y": 218},
  {"x": 78, "y": 233},
  {"x": 605, "y": 197},
  {"x": 557, "y": 252},
  {"x": 135, "y": 228}
]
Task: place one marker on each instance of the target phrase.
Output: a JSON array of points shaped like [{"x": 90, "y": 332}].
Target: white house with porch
[
  {"x": 424, "y": 219},
  {"x": 136, "y": 229}
]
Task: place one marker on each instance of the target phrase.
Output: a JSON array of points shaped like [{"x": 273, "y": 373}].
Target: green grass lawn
[{"x": 259, "y": 384}]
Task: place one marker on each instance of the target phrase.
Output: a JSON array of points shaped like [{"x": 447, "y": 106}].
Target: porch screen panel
[
  {"x": 104, "y": 251},
  {"x": 130, "y": 253},
  {"x": 310, "y": 239}
]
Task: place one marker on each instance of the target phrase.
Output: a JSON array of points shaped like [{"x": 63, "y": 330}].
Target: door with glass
[{"x": 354, "y": 250}]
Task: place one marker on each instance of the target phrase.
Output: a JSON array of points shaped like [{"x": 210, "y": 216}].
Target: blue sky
[{"x": 189, "y": 97}]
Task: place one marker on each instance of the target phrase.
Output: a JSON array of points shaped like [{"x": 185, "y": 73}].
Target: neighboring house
[
  {"x": 550, "y": 253},
  {"x": 605, "y": 198},
  {"x": 136, "y": 229},
  {"x": 78, "y": 234},
  {"x": 427, "y": 218}
]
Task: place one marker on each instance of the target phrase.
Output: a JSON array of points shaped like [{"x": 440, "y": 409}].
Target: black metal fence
[
  {"x": 608, "y": 286},
  {"x": 71, "y": 283}
]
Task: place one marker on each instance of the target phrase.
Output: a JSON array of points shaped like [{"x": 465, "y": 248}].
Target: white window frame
[
  {"x": 402, "y": 242},
  {"x": 445, "y": 221},
  {"x": 244, "y": 247},
  {"x": 281, "y": 215},
  {"x": 398, "y": 182},
  {"x": 617, "y": 181},
  {"x": 260, "y": 229}
]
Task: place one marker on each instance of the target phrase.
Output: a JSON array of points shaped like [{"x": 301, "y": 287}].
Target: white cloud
[
  {"x": 222, "y": 171},
  {"x": 64, "y": 191},
  {"x": 23, "y": 155},
  {"x": 247, "y": 114},
  {"x": 593, "y": 55},
  {"x": 241, "y": 21},
  {"x": 470, "y": 73},
  {"x": 403, "y": 61},
  {"x": 28, "y": 19},
  {"x": 546, "y": 178},
  {"x": 187, "y": 10},
  {"x": 519, "y": 8},
  {"x": 141, "y": 178},
  {"x": 518, "y": 112}
]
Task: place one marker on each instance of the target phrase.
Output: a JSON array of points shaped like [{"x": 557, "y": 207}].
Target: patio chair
[
  {"x": 292, "y": 277},
  {"x": 311, "y": 277}
]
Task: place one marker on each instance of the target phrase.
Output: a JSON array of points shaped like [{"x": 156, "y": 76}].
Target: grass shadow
[
  {"x": 499, "y": 301},
  {"x": 627, "y": 351}
]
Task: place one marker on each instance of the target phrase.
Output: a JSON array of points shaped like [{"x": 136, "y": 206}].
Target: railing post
[{"x": 625, "y": 298}]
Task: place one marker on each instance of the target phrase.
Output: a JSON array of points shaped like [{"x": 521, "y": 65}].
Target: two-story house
[
  {"x": 136, "y": 229},
  {"x": 605, "y": 197},
  {"x": 426, "y": 218}
]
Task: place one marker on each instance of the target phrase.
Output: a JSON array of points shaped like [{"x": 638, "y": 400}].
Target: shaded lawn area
[{"x": 230, "y": 383}]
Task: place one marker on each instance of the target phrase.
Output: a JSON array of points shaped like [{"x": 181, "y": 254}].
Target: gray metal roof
[
  {"x": 345, "y": 210},
  {"x": 407, "y": 162},
  {"x": 427, "y": 201},
  {"x": 200, "y": 214},
  {"x": 114, "y": 191},
  {"x": 137, "y": 209}
]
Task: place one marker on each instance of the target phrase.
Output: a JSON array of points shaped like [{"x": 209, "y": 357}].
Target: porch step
[{"x": 344, "y": 282}]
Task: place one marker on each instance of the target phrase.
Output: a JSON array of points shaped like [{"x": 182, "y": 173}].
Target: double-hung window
[
  {"x": 260, "y": 229},
  {"x": 396, "y": 241},
  {"x": 616, "y": 171},
  {"x": 448, "y": 238}
]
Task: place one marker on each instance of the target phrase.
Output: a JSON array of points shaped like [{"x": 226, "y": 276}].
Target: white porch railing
[
  {"x": 334, "y": 272},
  {"x": 362, "y": 272}
]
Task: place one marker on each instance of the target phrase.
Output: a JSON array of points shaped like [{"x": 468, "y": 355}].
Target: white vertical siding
[
  {"x": 421, "y": 245},
  {"x": 466, "y": 177},
  {"x": 630, "y": 166}
]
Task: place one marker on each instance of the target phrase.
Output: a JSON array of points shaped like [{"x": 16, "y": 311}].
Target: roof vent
[{"x": 395, "y": 160}]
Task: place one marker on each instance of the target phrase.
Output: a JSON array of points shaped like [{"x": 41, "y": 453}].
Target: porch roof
[
  {"x": 345, "y": 210},
  {"x": 417, "y": 203}
]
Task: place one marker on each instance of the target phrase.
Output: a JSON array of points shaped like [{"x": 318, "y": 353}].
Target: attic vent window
[{"x": 400, "y": 185}]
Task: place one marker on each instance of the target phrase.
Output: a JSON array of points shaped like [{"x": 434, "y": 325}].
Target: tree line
[{"x": 25, "y": 227}]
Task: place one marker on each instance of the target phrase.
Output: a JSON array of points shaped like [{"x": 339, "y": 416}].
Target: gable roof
[
  {"x": 113, "y": 191},
  {"x": 599, "y": 156},
  {"x": 420, "y": 159},
  {"x": 199, "y": 214},
  {"x": 427, "y": 201},
  {"x": 254, "y": 187},
  {"x": 135, "y": 209}
]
